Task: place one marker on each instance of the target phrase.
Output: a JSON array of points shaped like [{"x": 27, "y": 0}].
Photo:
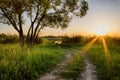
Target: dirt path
[
  {"x": 90, "y": 72},
  {"x": 55, "y": 73}
]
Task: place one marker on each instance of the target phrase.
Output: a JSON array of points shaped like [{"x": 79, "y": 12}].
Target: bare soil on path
[{"x": 88, "y": 74}]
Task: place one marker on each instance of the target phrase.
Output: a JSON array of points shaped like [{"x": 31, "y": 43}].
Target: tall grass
[
  {"x": 105, "y": 70},
  {"x": 27, "y": 63}
]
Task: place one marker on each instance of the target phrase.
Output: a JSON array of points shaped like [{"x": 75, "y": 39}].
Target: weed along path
[
  {"x": 55, "y": 73},
  {"x": 89, "y": 72}
]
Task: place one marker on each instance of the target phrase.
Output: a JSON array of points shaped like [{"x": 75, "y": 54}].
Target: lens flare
[
  {"x": 86, "y": 47},
  {"x": 107, "y": 55},
  {"x": 106, "y": 51}
]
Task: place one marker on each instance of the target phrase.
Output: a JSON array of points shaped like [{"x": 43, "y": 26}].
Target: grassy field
[
  {"x": 31, "y": 62},
  {"x": 27, "y": 63},
  {"x": 107, "y": 70}
]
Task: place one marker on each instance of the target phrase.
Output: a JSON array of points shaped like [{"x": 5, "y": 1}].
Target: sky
[{"x": 101, "y": 13}]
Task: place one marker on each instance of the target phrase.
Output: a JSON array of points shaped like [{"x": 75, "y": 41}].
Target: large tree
[{"x": 40, "y": 14}]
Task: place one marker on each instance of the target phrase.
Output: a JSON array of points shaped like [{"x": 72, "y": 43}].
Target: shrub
[{"x": 73, "y": 39}]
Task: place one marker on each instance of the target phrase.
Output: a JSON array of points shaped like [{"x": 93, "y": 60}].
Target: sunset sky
[{"x": 101, "y": 13}]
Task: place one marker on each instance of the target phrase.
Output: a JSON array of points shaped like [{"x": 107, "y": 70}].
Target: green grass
[
  {"x": 27, "y": 63},
  {"x": 106, "y": 71}
]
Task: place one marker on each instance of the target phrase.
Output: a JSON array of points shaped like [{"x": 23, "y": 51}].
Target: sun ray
[
  {"x": 107, "y": 55},
  {"x": 87, "y": 46}
]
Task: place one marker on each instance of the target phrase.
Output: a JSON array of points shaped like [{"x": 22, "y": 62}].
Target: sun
[{"x": 101, "y": 31}]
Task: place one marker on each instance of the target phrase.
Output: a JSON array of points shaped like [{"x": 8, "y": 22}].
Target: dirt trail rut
[
  {"x": 55, "y": 74},
  {"x": 90, "y": 72}
]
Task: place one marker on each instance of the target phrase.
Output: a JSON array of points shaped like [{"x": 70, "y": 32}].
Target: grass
[
  {"x": 27, "y": 63},
  {"x": 31, "y": 62},
  {"x": 105, "y": 70}
]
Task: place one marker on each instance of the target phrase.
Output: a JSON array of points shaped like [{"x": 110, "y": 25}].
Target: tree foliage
[{"x": 40, "y": 14}]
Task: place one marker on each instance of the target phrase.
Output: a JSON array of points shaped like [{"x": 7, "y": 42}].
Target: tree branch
[
  {"x": 4, "y": 22},
  {"x": 33, "y": 22},
  {"x": 20, "y": 22},
  {"x": 38, "y": 32},
  {"x": 37, "y": 14},
  {"x": 1, "y": 13},
  {"x": 39, "y": 23},
  {"x": 10, "y": 19}
]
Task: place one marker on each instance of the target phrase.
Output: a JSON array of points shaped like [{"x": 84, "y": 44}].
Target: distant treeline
[
  {"x": 84, "y": 40},
  {"x": 75, "y": 39},
  {"x": 72, "y": 39},
  {"x": 9, "y": 38}
]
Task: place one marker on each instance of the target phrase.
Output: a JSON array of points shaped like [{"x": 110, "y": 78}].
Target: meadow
[
  {"x": 28, "y": 63},
  {"x": 31, "y": 62}
]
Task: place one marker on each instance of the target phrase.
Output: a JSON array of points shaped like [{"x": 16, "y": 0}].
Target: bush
[
  {"x": 73, "y": 39},
  {"x": 8, "y": 38}
]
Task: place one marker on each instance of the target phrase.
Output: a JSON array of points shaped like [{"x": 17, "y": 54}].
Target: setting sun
[{"x": 99, "y": 31}]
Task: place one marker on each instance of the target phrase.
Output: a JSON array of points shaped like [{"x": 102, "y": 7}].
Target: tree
[
  {"x": 11, "y": 13},
  {"x": 40, "y": 14}
]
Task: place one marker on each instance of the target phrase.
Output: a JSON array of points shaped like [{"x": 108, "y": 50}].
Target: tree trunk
[{"x": 21, "y": 36}]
